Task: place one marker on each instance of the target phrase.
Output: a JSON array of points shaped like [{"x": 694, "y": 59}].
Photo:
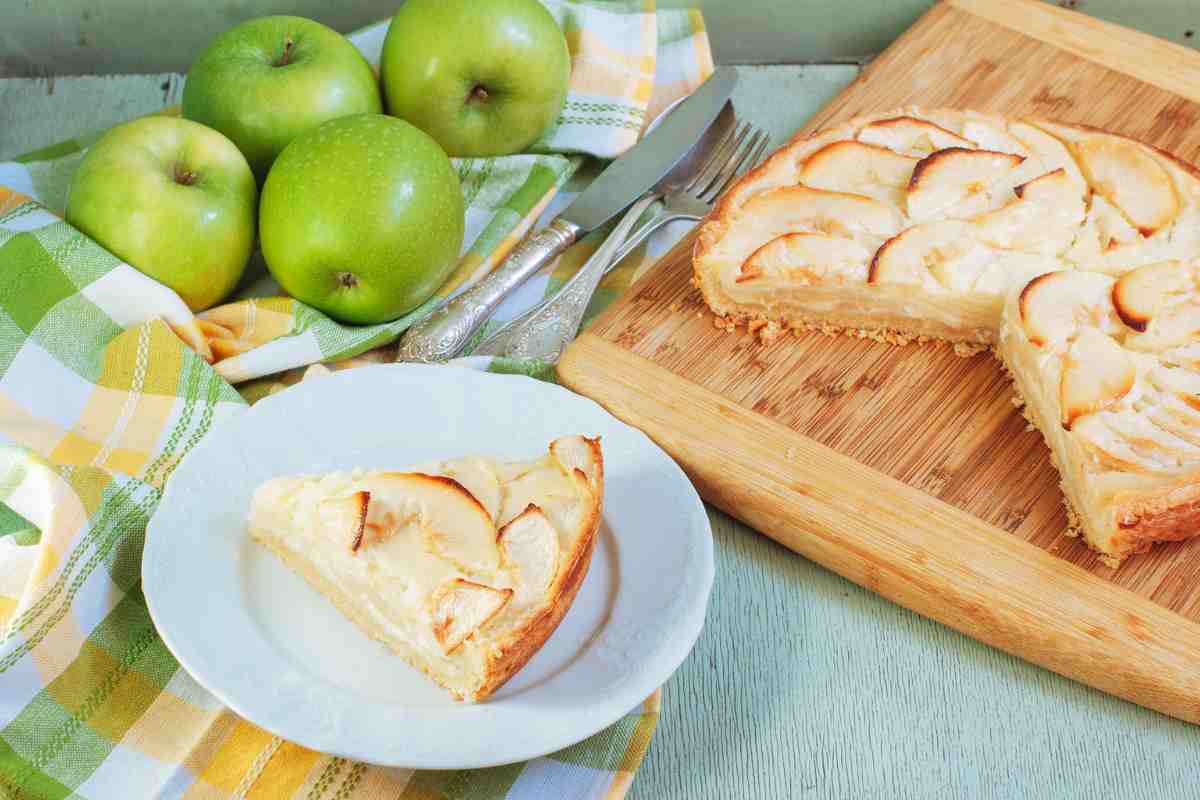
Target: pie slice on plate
[
  {"x": 464, "y": 568},
  {"x": 1072, "y": 249}
]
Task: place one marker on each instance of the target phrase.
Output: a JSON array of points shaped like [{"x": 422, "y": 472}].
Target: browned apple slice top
[
  {"x": 1176, "y": 326},
  {"x": 346, "y": 514},
  {"x": 949, "y": 176},
  {"x": 580, "y": 454},
  {"x": 1129, "y": 178},
  {"x": 1047, "y": 208},
  {"x": 847, "y": 165},
  {"x": 1139, "y": 295},
  {"x": 480, "y": 480},
  {"x": 907, "y": 257},
  {"x": 1051, "y": 151},
  {"x": 809, "y": 258},
  {"x": 455, "y": 525},
  {"x": 529, "y": 546},
  {"x": 910, "y": 135},
  {"x": 1097, "y": 372},
  {"x": 802, "y": 208},
  {"x": 1053, "y": 305},
  {"x": 460, "y": 607},
  {"x": 1054, "y": 187}
]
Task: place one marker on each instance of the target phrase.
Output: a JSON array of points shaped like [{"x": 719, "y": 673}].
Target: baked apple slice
[
  {"x": 460, "y": 607},
  {"x": 455, "y": 525},
  {"x": 947, "y": 177},
  {"x": 1053, "y": 305},
  {"x": 858, "y": 168},
  {"x": 1142, "y": 294},
  {"x": 908, "y": 257},
  {"x": 1125, "y": 175},
  {"x": 911, "y": 136},
  {"x": 1097, "y": 372},
  {"x": 793, "y": 209},
  {"x": 809, "y": 259},
  {"x": 1047, "y": 211},
  {"x": 529, "y": 547}
]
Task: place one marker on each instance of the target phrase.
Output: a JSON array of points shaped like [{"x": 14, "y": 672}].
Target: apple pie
[
  {"x": 463, "y": 568},
  {"x": 1072, "y": 251}
]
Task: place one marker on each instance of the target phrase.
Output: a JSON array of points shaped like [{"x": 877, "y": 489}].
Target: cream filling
[{"x": 906, "y": 306}]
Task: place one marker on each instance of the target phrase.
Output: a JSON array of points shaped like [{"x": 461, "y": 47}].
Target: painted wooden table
[{"x": 803, "y": 684}]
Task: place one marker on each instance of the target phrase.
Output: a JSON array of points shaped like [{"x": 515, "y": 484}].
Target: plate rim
[{"x": 637, "y": 685}]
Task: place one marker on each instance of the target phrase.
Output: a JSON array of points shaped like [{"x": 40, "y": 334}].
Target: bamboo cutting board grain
[{"x": 907, "y": 469}]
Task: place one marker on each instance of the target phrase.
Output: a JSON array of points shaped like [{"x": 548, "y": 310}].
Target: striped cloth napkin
[{"x": 107, "y": 381}]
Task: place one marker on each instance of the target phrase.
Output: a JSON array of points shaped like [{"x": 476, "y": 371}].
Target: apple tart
[
  {"x": 463, "y": 568},
  {"x": 1073, "y": 251}
]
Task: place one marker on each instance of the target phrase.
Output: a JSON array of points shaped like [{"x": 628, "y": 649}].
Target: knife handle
[{"x": 444, "y": 333}]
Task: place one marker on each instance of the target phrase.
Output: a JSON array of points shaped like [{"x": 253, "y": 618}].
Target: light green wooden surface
[
  {"x": 803, "y": 684},
  {"x": 72, "y": 37}
]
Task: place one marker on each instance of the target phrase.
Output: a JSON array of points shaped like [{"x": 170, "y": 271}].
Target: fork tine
[
  {"x": 714, "y": 159},
  {"x": 718, "y": 160},
  {"x": 753, "y": 157},
  {"x": 746, "y": 156}
]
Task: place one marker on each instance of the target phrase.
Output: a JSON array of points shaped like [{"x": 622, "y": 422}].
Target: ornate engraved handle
[
  {"x": 543, "y": 331},
  {"x": 444, "y": 333}
]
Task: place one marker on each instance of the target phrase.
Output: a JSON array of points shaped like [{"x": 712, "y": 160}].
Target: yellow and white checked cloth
[{"x": 107, "y": 381}]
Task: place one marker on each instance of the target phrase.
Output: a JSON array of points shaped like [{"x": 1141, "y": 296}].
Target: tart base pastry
[
  {"x": 1071, "y": 250},
  {"x": 463, "y": 568}
]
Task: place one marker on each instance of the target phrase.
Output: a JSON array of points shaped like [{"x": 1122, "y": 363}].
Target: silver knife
[{"x": 444, "y": 333}]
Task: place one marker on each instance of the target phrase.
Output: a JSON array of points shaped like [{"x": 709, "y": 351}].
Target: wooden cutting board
[{"x": 907, "y": 469}]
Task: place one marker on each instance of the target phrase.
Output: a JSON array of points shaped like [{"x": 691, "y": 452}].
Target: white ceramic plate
[{"x": 274, "y": 650}]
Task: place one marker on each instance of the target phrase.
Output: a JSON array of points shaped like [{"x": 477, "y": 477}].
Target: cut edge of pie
[
  {"x": 498, "y": 640},
  {"x": 859, "y": 251}
]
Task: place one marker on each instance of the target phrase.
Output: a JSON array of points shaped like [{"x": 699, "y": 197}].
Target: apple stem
[
  {"x": 184, "y": 176},
  {"x": 286, "y": 58},
  {"x": 478, "y": 94}
]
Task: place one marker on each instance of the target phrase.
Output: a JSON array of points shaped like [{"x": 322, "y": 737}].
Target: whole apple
[
  {"x": 268, "y": 80},
  {"x": 362, "y": 218},
  {"x": 482, "y": 77},
  {"x": 172, "y": 198}
]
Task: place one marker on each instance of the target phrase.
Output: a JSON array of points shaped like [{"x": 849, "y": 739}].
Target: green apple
[
  {"x": 172, "y": 198},
  {"x": 268, "y": 80},
  {"x": 362, "y": 218},
  {"x": 482, "y": 77}
]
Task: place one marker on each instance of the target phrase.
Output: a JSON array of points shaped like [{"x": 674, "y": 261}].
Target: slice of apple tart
[
  {"x": 1110, "y": 372},
  {"x": 464, "y": 568},
  {"x": 1072, "y": 249}
]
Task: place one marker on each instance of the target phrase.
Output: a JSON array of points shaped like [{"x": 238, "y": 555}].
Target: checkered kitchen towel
[{"x": 107, "y": 381}]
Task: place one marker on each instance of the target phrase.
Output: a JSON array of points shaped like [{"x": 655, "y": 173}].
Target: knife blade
[
  {"x": 639, "y": 168},
  {"x": 445, "y": 332}
]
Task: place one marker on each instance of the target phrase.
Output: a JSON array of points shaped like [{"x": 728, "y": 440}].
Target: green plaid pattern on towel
[{"x": 107, "y": 381}]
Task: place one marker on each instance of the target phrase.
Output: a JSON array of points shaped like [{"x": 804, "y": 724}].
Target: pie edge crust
[{"x": 514, "y": 651}]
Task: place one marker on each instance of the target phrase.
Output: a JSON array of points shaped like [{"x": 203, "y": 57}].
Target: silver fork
[{"x": 544, "y": 330}]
